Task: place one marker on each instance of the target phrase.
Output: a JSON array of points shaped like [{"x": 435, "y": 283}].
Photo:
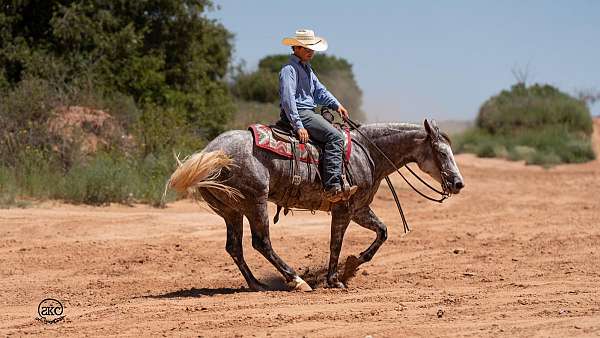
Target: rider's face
[{"x": 304, "y": 54}]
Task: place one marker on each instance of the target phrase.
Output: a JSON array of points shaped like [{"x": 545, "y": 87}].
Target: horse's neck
[{"x": 401, "y": 143}]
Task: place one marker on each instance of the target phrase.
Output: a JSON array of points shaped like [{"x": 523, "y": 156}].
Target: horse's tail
[{"x": 201, "y": 170}]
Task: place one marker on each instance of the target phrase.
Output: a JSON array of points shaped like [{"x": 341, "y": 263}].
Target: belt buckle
[{"x": 296, "y": 180}]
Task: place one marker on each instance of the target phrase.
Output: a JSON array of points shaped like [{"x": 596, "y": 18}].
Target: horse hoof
[
  {"x": 336, "y": 285},
  {"x": 298, "y": 284}
]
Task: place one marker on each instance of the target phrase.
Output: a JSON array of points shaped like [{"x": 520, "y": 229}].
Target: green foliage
[
  {"x": 23, "y": 116},
  {"x": 103, "y": 179},
  {"x": 335, "y": 73},
  {"x": 538, "y": 124},
  {"x": 249, "y": 112},
  {"x": 526, "y": 108},
  {"x": 163, "y": 52},
  {"x": 259, "y": 86},
  {"x": 157, "y": 66}
]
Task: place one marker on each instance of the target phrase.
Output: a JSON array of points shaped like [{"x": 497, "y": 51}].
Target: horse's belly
[{"x": 306, "y": 194}]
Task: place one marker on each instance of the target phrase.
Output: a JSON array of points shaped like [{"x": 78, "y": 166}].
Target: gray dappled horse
[{"x": 236, "y": 179}]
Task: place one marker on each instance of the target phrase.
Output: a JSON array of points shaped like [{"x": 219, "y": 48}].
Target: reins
[{"x": 443, "y": 194}]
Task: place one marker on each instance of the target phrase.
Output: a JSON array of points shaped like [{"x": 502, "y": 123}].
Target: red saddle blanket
[{"x": 263, "y": 138}]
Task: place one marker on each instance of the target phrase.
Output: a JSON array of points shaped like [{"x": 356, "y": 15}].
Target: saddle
[
  {"x": 281, "y": 139},
  {"x": 283, "y": 132}
]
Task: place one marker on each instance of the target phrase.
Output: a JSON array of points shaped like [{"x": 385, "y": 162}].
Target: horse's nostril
[{"x": 459, "y": 184}]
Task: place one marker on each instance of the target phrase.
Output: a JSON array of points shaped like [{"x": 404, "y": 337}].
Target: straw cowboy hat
[{"x": 306, "y": 38}]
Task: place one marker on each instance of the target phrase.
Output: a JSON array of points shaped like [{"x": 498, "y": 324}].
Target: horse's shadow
[
  {"x": 201, "y": 292},
  {"x": 275, "y": 283},
  {"x": 314, "y": 276}
]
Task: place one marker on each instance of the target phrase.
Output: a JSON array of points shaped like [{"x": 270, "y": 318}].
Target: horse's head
[{"x": 439, "y": 160}]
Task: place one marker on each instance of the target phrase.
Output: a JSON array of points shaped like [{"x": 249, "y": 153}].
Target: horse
[{"x": 237, "y": 179}]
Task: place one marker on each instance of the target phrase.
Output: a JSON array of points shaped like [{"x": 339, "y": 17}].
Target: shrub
[
  {"x": 527, "y": 108},
  {"x": 538, "y": 124},
  {"x": 260, "y": 86}
]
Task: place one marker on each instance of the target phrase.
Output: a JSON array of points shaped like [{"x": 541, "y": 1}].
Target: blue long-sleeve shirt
[{"x": 300, "y": 89}]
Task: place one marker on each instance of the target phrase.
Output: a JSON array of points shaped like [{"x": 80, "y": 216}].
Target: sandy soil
[{"x": 515, "y": 254}]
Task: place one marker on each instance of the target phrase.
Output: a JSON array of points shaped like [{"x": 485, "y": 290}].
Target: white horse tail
[{"x": 201, "y": 170}]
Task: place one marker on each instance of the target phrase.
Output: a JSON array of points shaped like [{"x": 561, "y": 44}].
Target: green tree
[{"x": 165, "y": 53}]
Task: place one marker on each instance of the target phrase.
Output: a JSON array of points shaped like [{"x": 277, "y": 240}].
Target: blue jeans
[{"x": 330, "y": 141}]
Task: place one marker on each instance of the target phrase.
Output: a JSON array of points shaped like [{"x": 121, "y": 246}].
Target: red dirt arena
[{"x": 515, "y": 254}]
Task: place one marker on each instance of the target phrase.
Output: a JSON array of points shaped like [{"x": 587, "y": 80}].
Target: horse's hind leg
[
  {"x": 259, "y": 225},
  {"x": 366, "y": 218},
  {"x": 235, "y": 232}
]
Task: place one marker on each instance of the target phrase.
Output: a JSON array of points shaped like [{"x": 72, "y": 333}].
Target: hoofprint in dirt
[{"x": 515, "y": 254}]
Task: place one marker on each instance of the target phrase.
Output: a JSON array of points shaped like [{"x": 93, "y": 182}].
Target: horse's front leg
[
  {"x": 339, "y": 223},
  {"x": 366, "y": 218}
]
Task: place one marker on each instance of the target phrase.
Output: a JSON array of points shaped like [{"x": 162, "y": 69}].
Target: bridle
[
  {"x": 435, "y": 147},
  {"x": 435, "y": 141}
]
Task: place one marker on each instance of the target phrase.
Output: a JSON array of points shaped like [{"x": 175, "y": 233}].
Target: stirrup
[
  {"x": 348, "y": 193},
  {"x": 347, "y": 190}
]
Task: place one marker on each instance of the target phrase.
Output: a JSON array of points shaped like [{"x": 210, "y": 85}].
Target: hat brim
[{"x": 318, "y": 44}]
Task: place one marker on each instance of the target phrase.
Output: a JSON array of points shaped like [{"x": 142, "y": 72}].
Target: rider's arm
[
  {"x": 323, "y": 96},
  {"x": 287, "y": 92}
]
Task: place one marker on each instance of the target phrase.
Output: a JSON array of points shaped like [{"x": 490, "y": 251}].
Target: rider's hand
[
  {"x": 343, "y": 112},
  {"x": 303, "y": 135}
]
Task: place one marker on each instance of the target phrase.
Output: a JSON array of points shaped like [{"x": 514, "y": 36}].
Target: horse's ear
[
  {"x": 431, "y": 127},
  {"x": 427, "y": 127}
]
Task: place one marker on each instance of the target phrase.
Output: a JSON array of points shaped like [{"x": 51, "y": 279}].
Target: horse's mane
[{"x": 377, "y": 130}]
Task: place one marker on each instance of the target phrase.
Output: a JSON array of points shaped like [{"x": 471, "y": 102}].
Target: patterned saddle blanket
[{"x": 308, "y": 153}]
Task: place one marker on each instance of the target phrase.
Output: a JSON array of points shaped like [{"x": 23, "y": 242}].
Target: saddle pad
[{"x": 263, "y": 138}]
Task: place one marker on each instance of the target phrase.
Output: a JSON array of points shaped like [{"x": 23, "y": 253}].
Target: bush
[
  {"x": 103, "y": 179},
  {"x": 249, "y": 112},
  {"x": 528, "y": 108},
  {"x": 260, "y": 86},
  {"x": 538, "y": 124}
]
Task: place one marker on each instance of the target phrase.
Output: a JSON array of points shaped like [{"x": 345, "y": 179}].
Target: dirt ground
[{"x": 515, "y": 254}]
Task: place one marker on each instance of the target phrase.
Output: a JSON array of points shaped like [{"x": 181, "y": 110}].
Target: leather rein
[{"x": 444, "y": 193}]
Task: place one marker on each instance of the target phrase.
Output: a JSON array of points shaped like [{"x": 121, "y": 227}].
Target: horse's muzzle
[{"x": 456, "y": 185}]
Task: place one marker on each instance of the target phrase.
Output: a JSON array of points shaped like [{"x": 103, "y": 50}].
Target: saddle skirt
[{"x": 308, "y": 153}]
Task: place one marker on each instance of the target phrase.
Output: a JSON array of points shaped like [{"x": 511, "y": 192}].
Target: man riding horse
[
  {"x": 300, "y": 91},
  {"x": 237, "y": 179}
]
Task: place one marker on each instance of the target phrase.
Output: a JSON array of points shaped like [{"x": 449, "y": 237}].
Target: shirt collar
[{"x": 296, "y": 59}]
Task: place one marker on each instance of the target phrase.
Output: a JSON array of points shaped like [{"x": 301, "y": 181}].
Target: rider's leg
[{"x": 321, "y": 131}]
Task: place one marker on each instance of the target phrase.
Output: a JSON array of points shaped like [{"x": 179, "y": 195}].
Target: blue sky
[{"x": 440, "y": 59}]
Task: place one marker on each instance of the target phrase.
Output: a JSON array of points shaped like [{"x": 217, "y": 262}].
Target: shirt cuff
[{"x": 298, "y": 125}]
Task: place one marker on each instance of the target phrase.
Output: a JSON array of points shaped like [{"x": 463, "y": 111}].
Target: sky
[{"x": 437, "y": 59}]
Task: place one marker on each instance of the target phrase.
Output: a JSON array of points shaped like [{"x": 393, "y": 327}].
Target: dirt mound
[{"x": 85, "y": 128}]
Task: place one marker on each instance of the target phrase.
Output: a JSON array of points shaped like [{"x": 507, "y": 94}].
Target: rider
[{"x": 300, "y": 92}]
